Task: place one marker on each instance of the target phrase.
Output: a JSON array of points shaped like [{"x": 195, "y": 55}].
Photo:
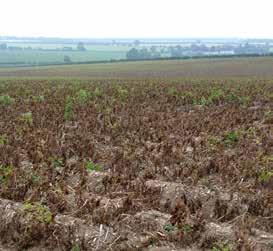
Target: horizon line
[{"x": 134, "y": 38}]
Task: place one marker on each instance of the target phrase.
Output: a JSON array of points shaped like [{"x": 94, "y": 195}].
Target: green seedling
[
  {"x": 265, "y": 176},
  {"x": 221, "y": 247},
  {"x": 232, "y": 98},
  {"x": 245, "y": 100},
  {"x": 83, "y": 96},
  {"x": 57, "y": 164},
  {"x": 39, "y": 98},
  {"x": 169, "y": 227},
  {"x": 6, "y": 100},
  {"x": 187, "y": 228},
  {"x": 3, "y": 140},
  {"x": 35, "y": 179},
  {"x": 75, "y": 248},
  {"x": 91, "y": 166},
  {"x": 6, "y": 173},
  {"x": 215, "y": 96},
  {"x": 202, "y": 101},
  {"x": 68, "y": 110},
  {"x": 98, "y": 93},
  {"x": 122, "y": 93},
  {"x": 173, "y": 92},
  {"x": 27, "y": 117},
  {"x": 231, "y": 138},
  {"x": 37, "y": 212},
  {"x": 188, "y": 97}
]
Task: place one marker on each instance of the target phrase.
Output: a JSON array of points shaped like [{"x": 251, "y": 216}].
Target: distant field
[
  {"x": 197, "y": 68},
  {"x": 35, "y": 56},
  {"x": 59, "y": 46}
]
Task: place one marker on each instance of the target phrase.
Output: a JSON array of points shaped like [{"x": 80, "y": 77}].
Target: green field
[
  {"x": 36, "y": 56},
  {"x": 74, "y": 46},
  {"x": 162, "y": 69}
]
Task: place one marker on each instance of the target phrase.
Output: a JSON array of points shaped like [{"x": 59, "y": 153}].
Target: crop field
[
  {"x": 136, "y": 164},
  {"x": 35, "y": 56},
  {"x": 165, "y": 69}
]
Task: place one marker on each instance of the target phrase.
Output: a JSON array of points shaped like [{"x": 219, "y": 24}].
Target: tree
[
  {"x": 132, "y": 54},
  {"x": 135, "y": 54},
  {"x": 3, "y": 46},
  {"x": 144, "y": 54},
  {"x": 67, "y": 59},
  {"x": 81, "y": 47}
]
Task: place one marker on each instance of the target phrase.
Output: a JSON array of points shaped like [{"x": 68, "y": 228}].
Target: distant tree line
[
  {"x": 5, "y": 47},
  {"x": 143, "y": 53},
  {"x": 197, "y": 49}
]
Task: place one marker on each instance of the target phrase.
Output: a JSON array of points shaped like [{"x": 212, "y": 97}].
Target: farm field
[
  {"x": 261, "y": 67},
  {"x": 35, "y": 56},
  {"x": 137, "y": 164}
]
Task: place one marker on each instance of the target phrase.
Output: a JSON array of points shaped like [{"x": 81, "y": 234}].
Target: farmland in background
[
  {"x": 45, "y": 51},
  {"x": 260, "y": 67},
  {"x": 36, "y": 56}
]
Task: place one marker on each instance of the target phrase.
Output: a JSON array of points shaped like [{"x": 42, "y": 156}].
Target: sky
[{"x": 137, "y": 18}]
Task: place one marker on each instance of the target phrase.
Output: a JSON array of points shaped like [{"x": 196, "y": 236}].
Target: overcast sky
[{"x": 137, "y": 18}]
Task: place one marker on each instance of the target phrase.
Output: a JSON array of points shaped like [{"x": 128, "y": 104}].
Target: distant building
[
  {"x": 231, "y": 52},
  {"x": 217, "y": 53}
]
